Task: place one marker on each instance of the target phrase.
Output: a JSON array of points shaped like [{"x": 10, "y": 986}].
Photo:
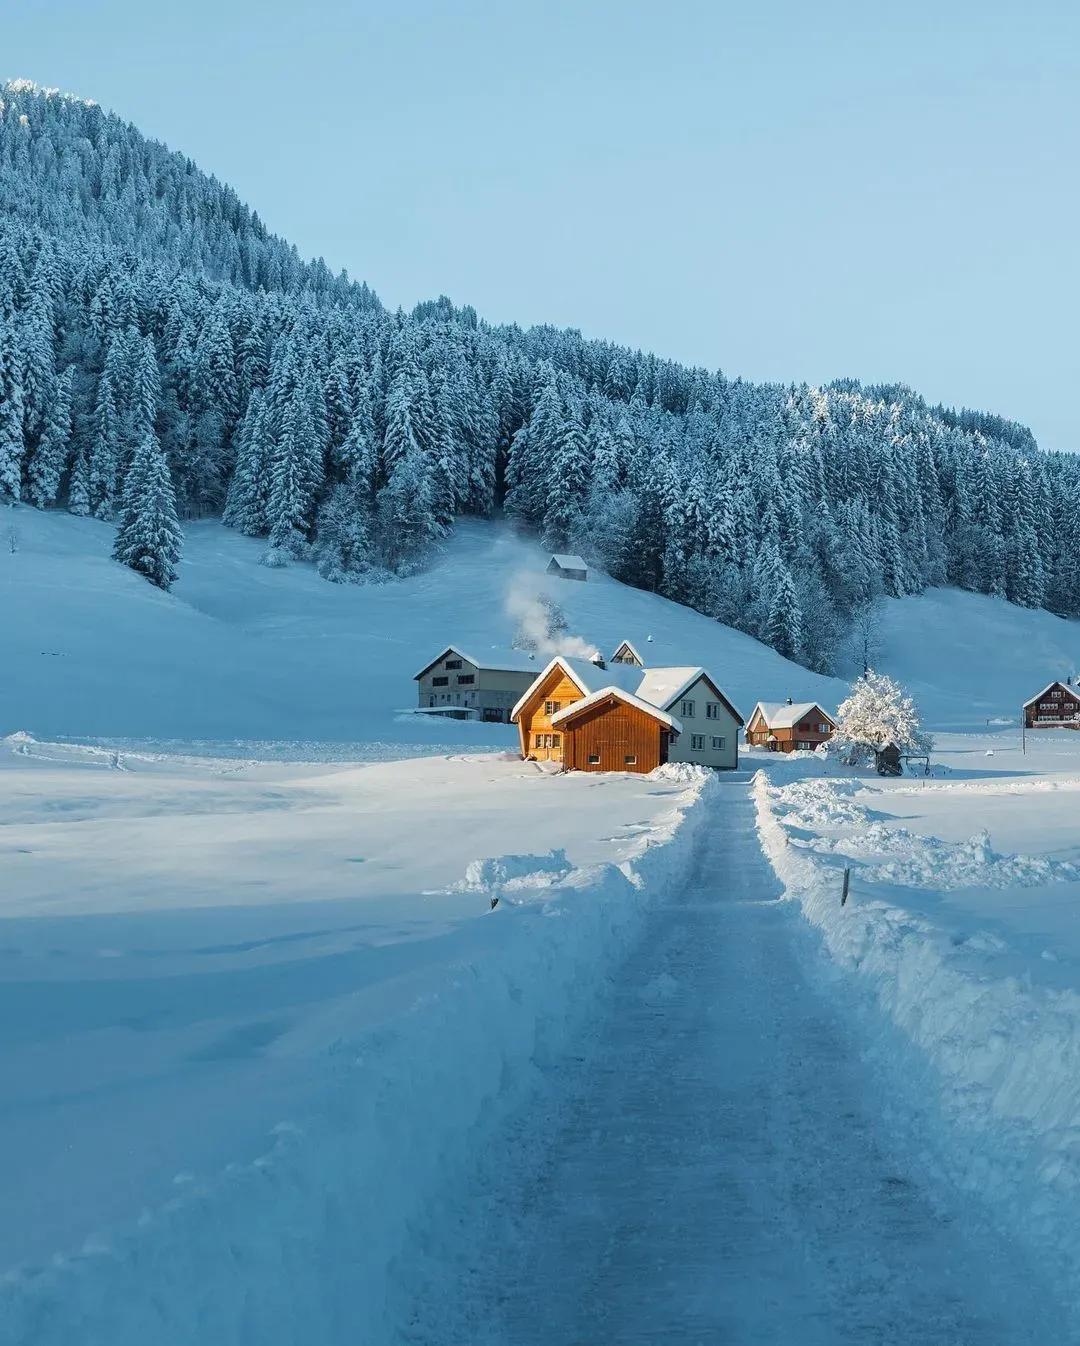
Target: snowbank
[
  {"x": 1000, "y": 1051},
  {"x": 301, "y": 1245}
]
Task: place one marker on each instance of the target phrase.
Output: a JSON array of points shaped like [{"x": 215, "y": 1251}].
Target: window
[
  {"x": 552, "y": 708},
  {"x": 466, "y": 677},
  {"x": 686, "y": 710},
  {"x": 803, "y": 746},
  {"x": 453, "y": 663},
  {"x": 629, "y": 761},
  {"x": 712, "y": 710},
  {"x": 594, "y": 759},
  {"x": 718, "y": 744},
  {"x": 556, "y": 741},
  {"x": 539, "y": 740},
  {"x": 697, "y": 742},
  {"x": 439, "y": 682},
  {"x": 823, "y": 728},
  {"x": 1056, "y": 694}
]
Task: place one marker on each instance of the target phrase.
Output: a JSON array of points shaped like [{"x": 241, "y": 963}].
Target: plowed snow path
[{"x": 716, "y": 1167}]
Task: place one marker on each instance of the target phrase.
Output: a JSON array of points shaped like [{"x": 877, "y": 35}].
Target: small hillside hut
[
  {"x": 1055, "y": 707},
  {"x": 789, "y": 726},
  {"x": 632, "y": 713},
  {"x": 568, "y": 567},
  {"x": 474, "y": 686}
]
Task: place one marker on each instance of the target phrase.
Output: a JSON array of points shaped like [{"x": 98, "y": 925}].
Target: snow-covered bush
[{"x": 876, "y": 713}]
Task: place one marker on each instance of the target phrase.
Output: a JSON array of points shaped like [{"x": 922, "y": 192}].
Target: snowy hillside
[{"x": 241, "y": 652}]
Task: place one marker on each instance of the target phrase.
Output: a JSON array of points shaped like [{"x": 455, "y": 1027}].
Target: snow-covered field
[
  {"x": 265, "y": 1042},
  {"x": 963, "y": 931},
  {"x": 231, "y": 994}
]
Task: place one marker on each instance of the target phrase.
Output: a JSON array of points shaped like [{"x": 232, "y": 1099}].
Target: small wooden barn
[
  {"x": 567, "y": 567},
  {"x": 789, "y": 726},
  {"x": 1056, "y": 707}
]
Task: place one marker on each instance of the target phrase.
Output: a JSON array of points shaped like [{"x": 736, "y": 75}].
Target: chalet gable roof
[
  {"x": 498, "y": 661},
  {"x": 656, "y": 687},
  {"x": 784, "y": 715},
  {"x": 1074, "y": 692},
  {"x": 626, "y": 645},
  {"x": 620, "y": 694}
]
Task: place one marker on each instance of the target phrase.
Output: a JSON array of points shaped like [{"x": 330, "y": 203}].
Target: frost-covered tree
[
  {"x": 878, "y": 712},
  {"x": 148, "y": 536},
  {"x": 12, "y": 434},
  {"x": 49, "y": 459}
]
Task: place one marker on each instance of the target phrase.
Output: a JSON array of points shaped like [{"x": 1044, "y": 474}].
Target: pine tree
[
  {"x": 12, "y": 435},
  {"x": 148, "y": 538},
  {"x": 246, "y": 504},
  {"x": 49, "y": 459}
]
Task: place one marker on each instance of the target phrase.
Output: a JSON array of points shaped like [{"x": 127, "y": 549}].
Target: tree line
[{"x": 163, "y": 357}]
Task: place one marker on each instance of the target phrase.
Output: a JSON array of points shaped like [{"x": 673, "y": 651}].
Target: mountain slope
[
  {"x": 146, "y": 317},
  {"x": 241, "y": 652}
]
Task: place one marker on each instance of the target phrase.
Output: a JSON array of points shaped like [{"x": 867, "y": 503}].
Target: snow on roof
[
  {"x": 498, "y": 661},
  {"x": 602, "y": 693},
  {"x": 566, "y": 562},
  {"x": 1073, "y": 691},
  {"x": 664, "y": 686},
  {"x": 784, "y": 715}
]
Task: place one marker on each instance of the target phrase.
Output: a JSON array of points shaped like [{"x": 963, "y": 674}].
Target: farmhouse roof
[
  {"x": 602, "y": 694},
  {"x": 785, "y": 715},
  {"x": 1073, "y": 691},
  {"x": 567, "y": 562},
  {"x": 656, "y": 687},
  {"x": 664, "y": 686},
  {"x": 498, "y": 661}
]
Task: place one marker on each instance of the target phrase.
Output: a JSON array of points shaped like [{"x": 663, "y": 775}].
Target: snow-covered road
[{"x": 718, "y": 1163}]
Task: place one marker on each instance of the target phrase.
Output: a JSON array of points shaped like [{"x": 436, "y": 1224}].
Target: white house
[{"x": 475, "y": 686}]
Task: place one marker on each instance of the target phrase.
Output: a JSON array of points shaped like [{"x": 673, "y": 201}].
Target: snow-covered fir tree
[{"x": 148, "y": 536}]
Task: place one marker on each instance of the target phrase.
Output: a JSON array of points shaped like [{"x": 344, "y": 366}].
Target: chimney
[
  {"x": 598, "y": 660},
  {"x": 789, "y": 701}
]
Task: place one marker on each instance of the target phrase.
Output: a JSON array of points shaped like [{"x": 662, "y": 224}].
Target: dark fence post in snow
[{"x": 847, "y": 881}]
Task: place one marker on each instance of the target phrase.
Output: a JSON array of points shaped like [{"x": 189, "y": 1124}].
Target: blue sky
[{"x": 781, "y": 190}]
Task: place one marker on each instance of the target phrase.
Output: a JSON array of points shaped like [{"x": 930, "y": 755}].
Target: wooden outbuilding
[
  {"x": 888, "y": 760},
  {"x": 789, "y": 726},
  {"x": 568, "y": 567},
  {"x": 1056, "y": 707}
]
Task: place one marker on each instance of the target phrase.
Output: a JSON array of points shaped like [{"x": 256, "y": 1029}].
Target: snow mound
[{"x": 507, "y": 873}]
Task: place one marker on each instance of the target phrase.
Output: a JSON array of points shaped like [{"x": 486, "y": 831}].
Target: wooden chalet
[
  {"x": 588, "y": 716},
  {"x": 789, "y": 726},
  {"x": 1056, "y": 707}
]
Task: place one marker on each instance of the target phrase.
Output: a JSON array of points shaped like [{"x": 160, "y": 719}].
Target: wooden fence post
[{"x": 847, "y": 882}]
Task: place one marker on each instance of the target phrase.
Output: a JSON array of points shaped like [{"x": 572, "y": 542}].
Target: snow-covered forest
[{"x": 164, "y": 357}]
